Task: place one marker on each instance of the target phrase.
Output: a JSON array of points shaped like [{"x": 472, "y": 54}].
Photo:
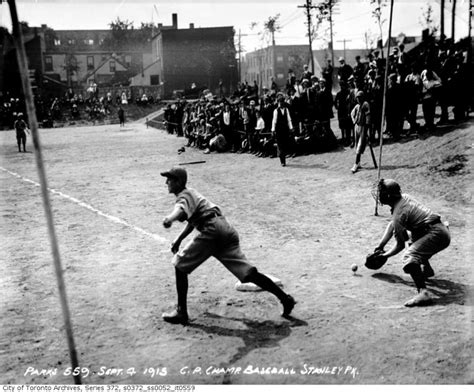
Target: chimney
[
  {"x": 175, "y": 21},
  {"x": 191, "y": 25},
  {"x": 160, "y": 25}
]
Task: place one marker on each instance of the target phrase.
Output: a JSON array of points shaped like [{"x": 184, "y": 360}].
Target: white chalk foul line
[{"x": 109, "y": 217}]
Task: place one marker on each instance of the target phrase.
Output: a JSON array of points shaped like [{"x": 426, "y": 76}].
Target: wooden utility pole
[
  {"x": 308, "y": 6},
  {"x": 332, "y": 36},
  {"x": 33, "y": 122},
  {"x": 344, "y": 43},
  {"x": 442, "y": 20},
  {"x": 470, "y": 20},
  {"x": 384, "y": 100},
  {"x": 453, "y": 20}
]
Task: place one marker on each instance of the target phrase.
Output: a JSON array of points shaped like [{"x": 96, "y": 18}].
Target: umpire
[
  {"x": 216, "y": 238},
  {"x": 282, "y": 127},
  {"x": 428, "y": 236}
]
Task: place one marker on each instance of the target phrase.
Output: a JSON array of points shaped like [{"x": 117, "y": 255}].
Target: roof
[{"x": 110, "y": 57}]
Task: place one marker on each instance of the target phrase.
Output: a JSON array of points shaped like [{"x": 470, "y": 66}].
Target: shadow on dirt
[
  {"x": 446, "y": 292},
  {"x": 257, "y": 334}
]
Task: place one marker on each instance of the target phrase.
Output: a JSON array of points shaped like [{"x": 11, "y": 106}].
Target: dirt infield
[{"x": 306, "y": 223}]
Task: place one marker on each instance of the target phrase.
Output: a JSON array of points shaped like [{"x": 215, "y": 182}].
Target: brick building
[
  {"x": 205, "y": 57},
  {"x": 258, "y": 65}
]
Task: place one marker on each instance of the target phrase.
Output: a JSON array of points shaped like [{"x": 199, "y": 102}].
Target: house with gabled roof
[{"x": 110, "y": 71}]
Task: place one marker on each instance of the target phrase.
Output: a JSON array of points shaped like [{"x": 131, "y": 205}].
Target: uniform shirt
[
  {"x": 195, "y": 206},
  {"x": 409, "y": 214},
  {"x": 361, "y": 114}
]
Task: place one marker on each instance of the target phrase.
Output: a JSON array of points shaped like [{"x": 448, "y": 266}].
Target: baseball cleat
[
  {"x": 288, "y": 305},
  {"x": 422, "y": 299},
  {"x": 176, "y": 317},
  {"x": 355, "y": 168}
]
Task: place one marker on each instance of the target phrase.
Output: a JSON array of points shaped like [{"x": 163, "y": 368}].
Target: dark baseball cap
[{"x": 177, "y": 173}]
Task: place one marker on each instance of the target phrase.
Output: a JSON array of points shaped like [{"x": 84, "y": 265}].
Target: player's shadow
[
  {"x": 446, "y": 291},
  {"x": 256, "y": 335}
]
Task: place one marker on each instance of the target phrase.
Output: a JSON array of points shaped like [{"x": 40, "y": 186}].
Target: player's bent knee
[
  {"x": 250, "y": 275},
  {"x": 412, "y": 268}
]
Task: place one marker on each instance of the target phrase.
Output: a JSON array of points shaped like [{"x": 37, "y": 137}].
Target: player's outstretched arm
[
  {"x": 397, "y": 248},
  {"x": 387, "y": 235},
  {"x": 176, "y": 214},
  {"x": 177, "y": 242}
]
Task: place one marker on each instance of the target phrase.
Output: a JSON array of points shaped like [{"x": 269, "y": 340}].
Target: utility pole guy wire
[{"x": 30, "y": 107}]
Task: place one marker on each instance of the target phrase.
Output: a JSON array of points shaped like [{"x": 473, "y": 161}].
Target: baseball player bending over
[
  {"x": 428, "y": 236},
  {"x": 216, "y": 238}
]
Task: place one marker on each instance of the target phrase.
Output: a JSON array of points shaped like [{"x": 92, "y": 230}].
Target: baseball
[{"x": 354, "y": 267}]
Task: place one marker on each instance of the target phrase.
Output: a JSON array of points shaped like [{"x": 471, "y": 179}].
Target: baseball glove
[{"x": 375, "y": 260}]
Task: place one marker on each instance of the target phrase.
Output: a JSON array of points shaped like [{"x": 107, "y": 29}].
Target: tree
[
  {"x": 119, "y": 34},
  {"x": 377, "y": 14},
  {"x": 71, "y": 66},
  {"x": 324, "y": 14},
  {"x": 427, "y": 21},
  {"x": 370, "y": 41}
]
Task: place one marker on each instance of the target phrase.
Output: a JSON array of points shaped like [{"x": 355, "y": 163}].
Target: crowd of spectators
[
  {"x": 70, "y": 106},
  {"x": 432, "y": 76}
]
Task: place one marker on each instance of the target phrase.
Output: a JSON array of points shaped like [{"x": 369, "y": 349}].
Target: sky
[{"x": 352, "y": 18}]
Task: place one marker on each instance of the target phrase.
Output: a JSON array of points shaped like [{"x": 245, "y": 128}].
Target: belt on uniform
[{"x": 206, "y": 217}]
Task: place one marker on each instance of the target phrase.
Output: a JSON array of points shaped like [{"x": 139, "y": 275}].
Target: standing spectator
[
  {"x": 394, "y": 107},
  {"x": 345, "y": 70},
  {"x": 227, "y": 123},
  {"x": 306, "y": 73},
  {"x": 359, "y": 73},
  {"x": 323, "y": 108},
  {"x": 21, "y": 128},
  {"x": 376, "y": 102},
  {"x": 273, "y": 86},
  {"x": 121, "y": 116},
  {"x": 328, "y": 74},
  {"x": 431, "y": 83},
  {"x": 124, "y": 99},
  {"x": 291, "y": 81},
  {"x": 281, "y": 128},
  {"x": 307, "y": 101},
  {"x": 361, "y": 118},
  {"x": 412, "y": 91},
  {"x": 343, "y": 107}
]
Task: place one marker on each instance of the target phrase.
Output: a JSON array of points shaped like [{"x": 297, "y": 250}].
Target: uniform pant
[
  {"x": 436, "y": 238},
  {"x": 219, "y": 239}
]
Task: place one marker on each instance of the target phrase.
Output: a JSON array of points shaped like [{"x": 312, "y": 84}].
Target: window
[
  {"x": 90, "y": 62},
  {"x": 71, "y": 41},
  {"x": 112, "y": 65},
  {"x": 128, "y": 60},
  {"x": 57, "y": 42},
  {"x": 154, "y": 80},
  {"x": 89, "y": 41},
  {"x": 291, "y": 59},
  {"x": 280, "y": 76},
  {"x": 48, "y": 63},
  {"x": 279, "y": 59}
]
